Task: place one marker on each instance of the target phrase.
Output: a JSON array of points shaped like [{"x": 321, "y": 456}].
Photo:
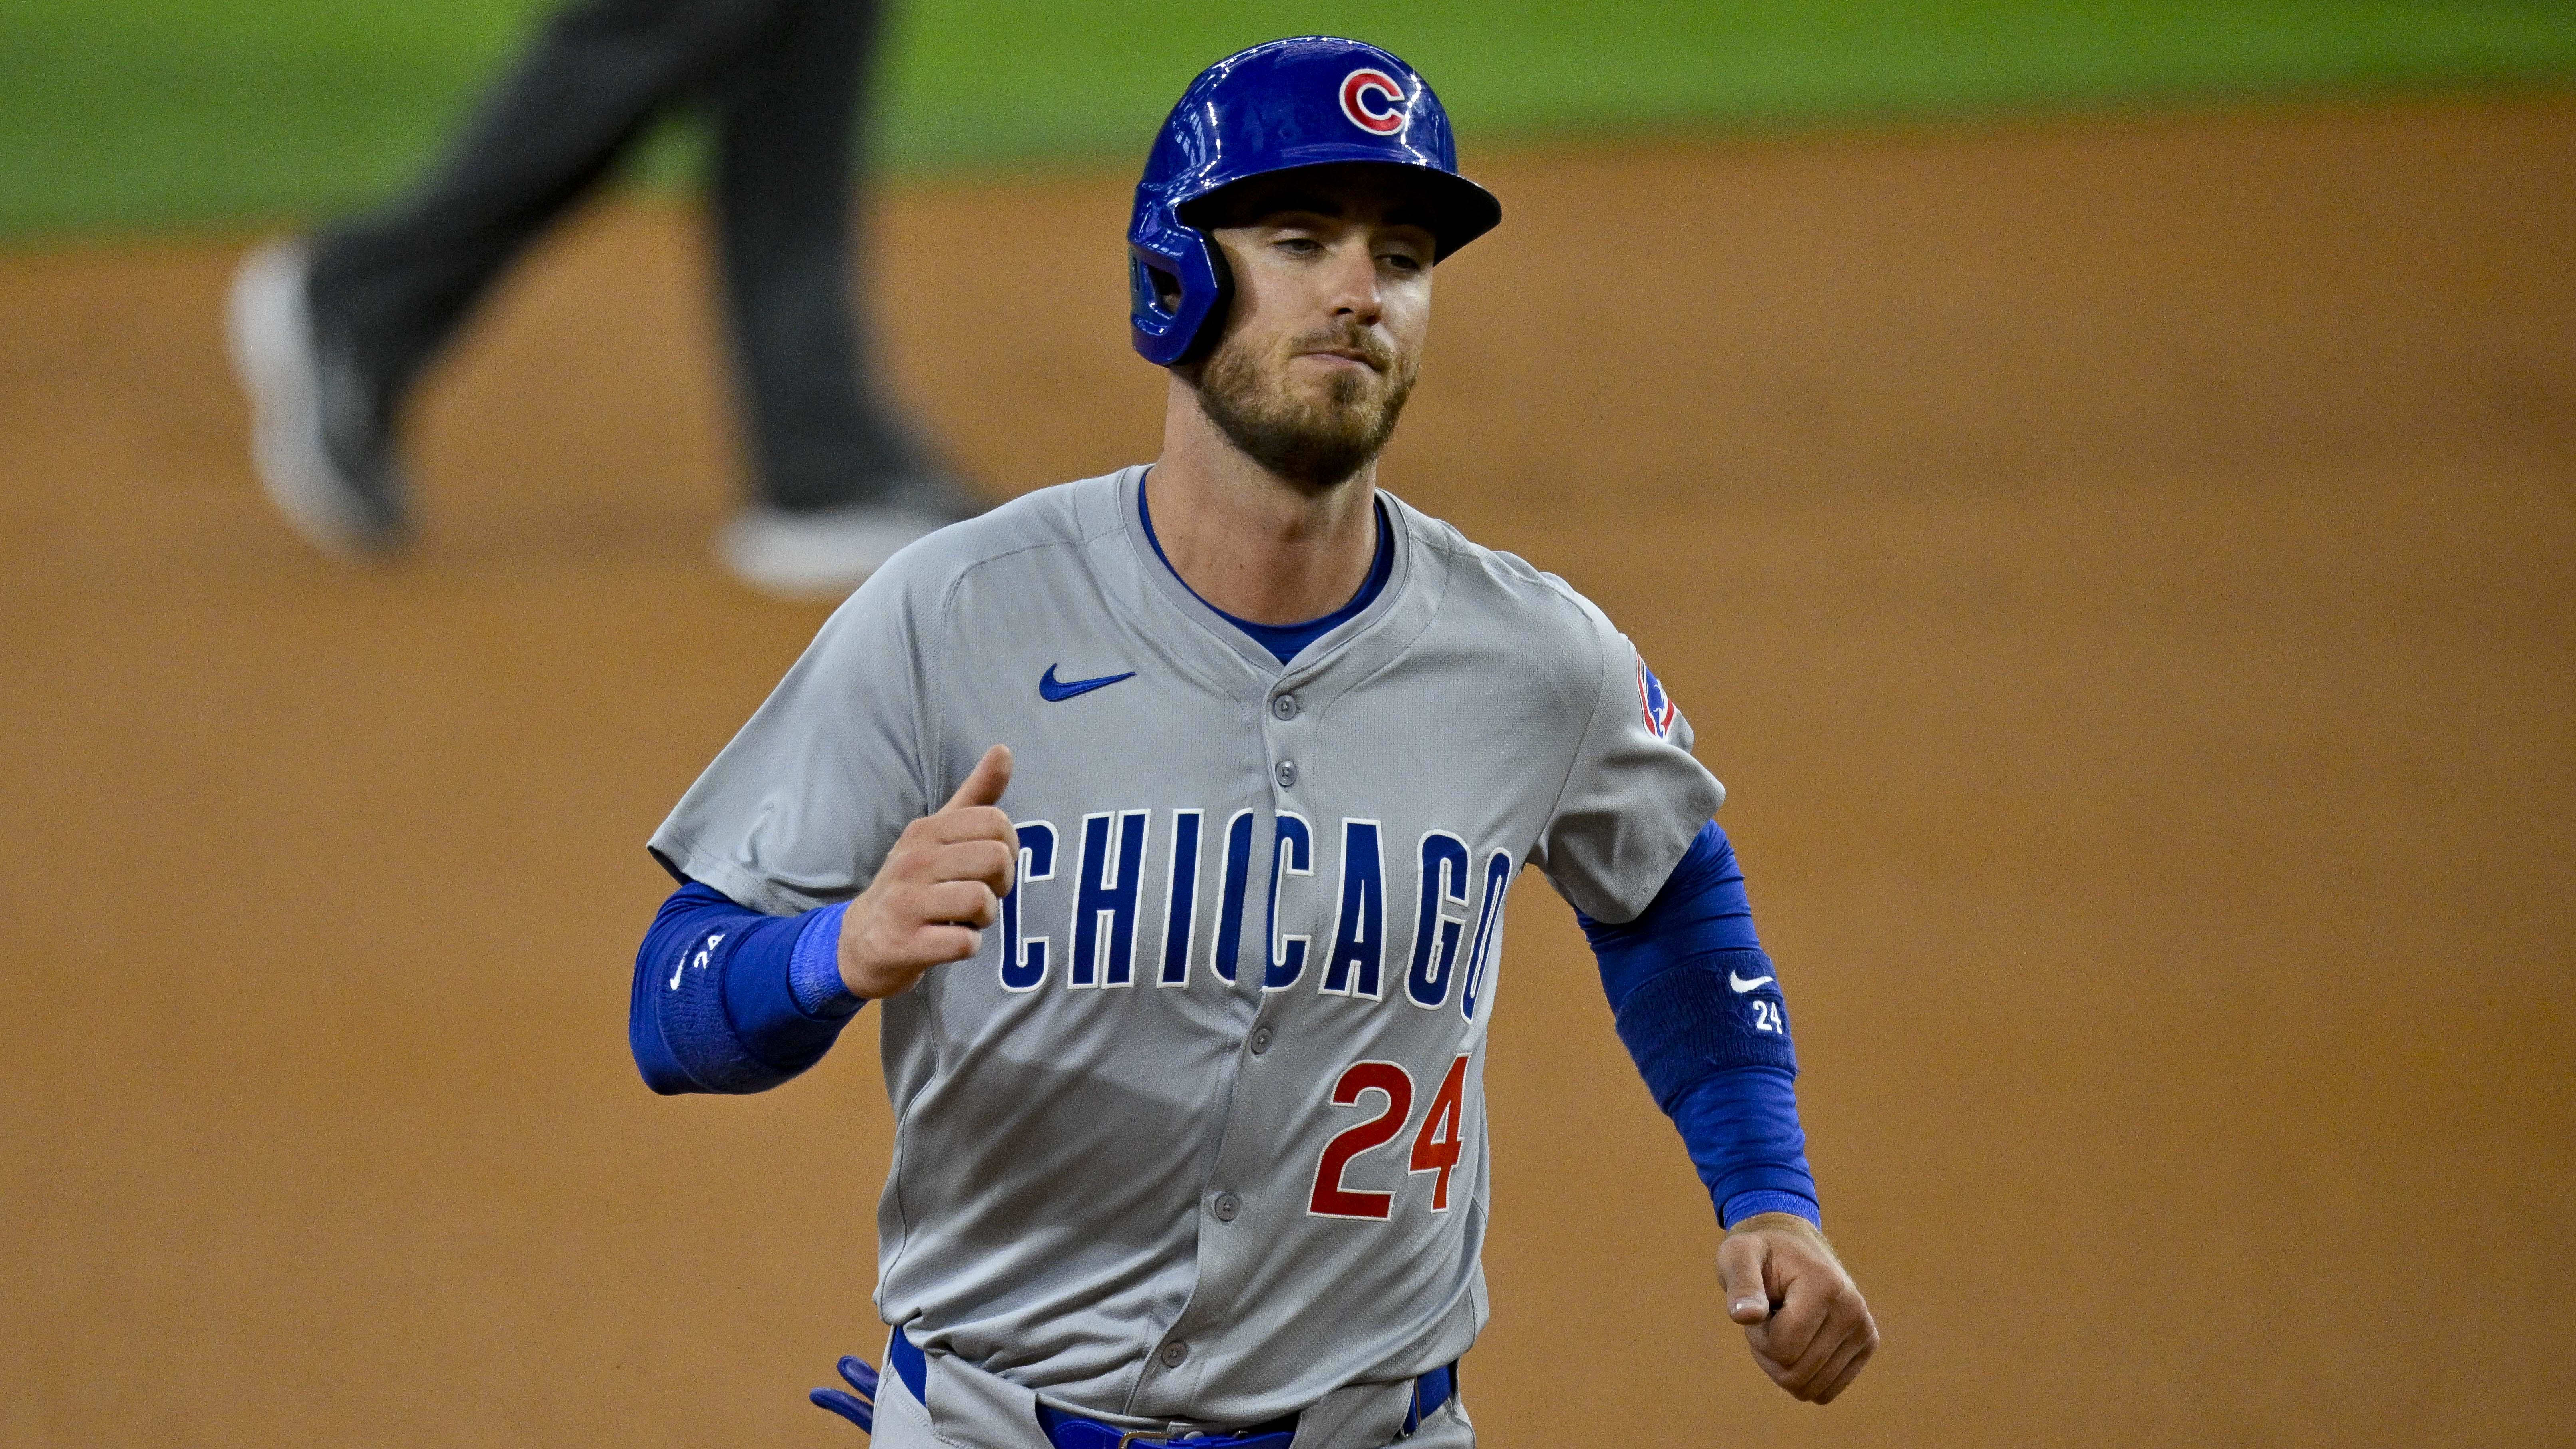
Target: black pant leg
[
  {"x": 785, "y": 115},
  {"x": 392, "y": 287}
]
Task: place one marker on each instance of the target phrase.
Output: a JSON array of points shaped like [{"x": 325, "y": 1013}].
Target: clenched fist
[
  {"x": 1805, "y": 1320},
  {"x": 939, "y": 887}
]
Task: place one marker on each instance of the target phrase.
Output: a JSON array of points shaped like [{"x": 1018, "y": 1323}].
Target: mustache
[{"x": 1372, "y": 349}]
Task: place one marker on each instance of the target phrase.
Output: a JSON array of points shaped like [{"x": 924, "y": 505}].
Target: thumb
[
  {"x": 985, "y": 784},
  {"x": 1740, "y": 1263}
]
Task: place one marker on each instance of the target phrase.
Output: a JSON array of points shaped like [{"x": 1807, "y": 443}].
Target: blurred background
[{"x": 2100, "y": 478}]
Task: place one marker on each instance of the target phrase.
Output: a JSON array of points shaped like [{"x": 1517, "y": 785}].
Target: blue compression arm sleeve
[
  {"x": 729, "y": 1000},
  {"x": 1699, "y": 1006}
]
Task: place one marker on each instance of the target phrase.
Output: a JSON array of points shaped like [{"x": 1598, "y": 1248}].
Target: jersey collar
[{"x": 1403, "y": 603}]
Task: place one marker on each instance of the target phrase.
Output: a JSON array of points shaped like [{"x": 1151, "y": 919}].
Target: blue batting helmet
[{"x": 1310, "y": 101}]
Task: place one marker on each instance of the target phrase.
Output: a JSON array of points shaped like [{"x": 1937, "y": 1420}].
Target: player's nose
[{"x": 1354, "y": 288}]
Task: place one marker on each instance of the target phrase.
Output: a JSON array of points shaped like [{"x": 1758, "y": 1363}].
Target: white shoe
[
  {"x": 823, "y": 554},
  {"x": 320, "y": 452}
]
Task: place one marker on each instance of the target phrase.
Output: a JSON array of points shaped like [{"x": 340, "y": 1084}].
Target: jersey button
[
  {"x": 1287, "y": 773},
  {"x": 1260, "y": 1040},
  {"x": 1285, "y": 706},
  {"x": 1227, "y": 1205},
  {"x": 1174, "y": 1354}
]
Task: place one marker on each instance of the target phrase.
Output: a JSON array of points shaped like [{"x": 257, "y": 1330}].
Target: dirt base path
[{"x": 2123, "y": 570}]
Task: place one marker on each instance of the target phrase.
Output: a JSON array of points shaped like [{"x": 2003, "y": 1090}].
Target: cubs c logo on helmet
[{"x": 1360, "y": 87}]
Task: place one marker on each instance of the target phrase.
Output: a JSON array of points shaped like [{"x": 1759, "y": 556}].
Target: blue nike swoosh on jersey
[{"x": 1053, "y": 690}]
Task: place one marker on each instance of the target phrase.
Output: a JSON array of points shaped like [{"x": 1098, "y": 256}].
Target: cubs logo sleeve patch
[{"x": 1660, "y": 712}]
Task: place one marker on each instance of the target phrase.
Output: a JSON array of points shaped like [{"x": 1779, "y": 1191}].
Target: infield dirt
[{"x": 2125, "y": 571}]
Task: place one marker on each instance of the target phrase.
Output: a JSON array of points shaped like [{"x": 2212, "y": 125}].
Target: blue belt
[{"x": 1071, "y": 1431}]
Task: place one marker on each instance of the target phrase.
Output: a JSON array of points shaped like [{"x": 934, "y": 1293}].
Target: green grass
[{"x": 186, "y": 112}]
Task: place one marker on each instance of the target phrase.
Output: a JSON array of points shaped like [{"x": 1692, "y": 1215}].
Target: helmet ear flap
[
  {"x": 1211, "y": 325},
  {"x": 1178, "y": 288}
]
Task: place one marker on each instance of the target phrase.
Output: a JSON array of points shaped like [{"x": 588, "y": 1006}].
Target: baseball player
[{"x": 1170, "y": 816}]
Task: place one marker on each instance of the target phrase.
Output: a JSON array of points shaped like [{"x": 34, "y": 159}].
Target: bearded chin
[{"x": 1315, "y": 445}]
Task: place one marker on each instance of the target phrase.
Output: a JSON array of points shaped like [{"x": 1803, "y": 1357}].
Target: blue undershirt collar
[{"x": 1286, "y": 640}]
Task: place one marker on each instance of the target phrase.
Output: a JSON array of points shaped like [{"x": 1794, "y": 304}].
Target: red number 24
[{"x": 1435, "y": 1147}]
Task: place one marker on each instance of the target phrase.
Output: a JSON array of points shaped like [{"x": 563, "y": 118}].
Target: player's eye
[
  {"x": 1303, "y": 246},
  {"x": 1404, "y": 262}
]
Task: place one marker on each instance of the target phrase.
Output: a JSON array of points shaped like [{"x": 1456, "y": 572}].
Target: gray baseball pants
[{"x": 978, "y": 1410}]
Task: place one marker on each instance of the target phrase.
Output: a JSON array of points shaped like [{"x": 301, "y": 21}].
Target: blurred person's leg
[
  {"x": 785, "y": 155},
  {"x": 329, "y": 334},
  {"x": 841, "y": 482},
  {"x": 392, "y": 287},
  {"x": 332, "y": 336}
]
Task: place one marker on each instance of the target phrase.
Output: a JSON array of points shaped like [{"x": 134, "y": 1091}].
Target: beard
[{"x": 1315, "y": 443}]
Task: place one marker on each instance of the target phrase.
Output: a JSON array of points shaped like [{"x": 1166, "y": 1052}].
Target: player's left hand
[{"x": 1809, "y": 1329}]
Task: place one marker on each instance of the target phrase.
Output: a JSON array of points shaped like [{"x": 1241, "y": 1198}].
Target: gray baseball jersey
[{"x": 1200, "y": 1134}]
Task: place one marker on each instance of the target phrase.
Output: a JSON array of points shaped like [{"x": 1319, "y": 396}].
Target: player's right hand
[{"x": 939, "y": 887}]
